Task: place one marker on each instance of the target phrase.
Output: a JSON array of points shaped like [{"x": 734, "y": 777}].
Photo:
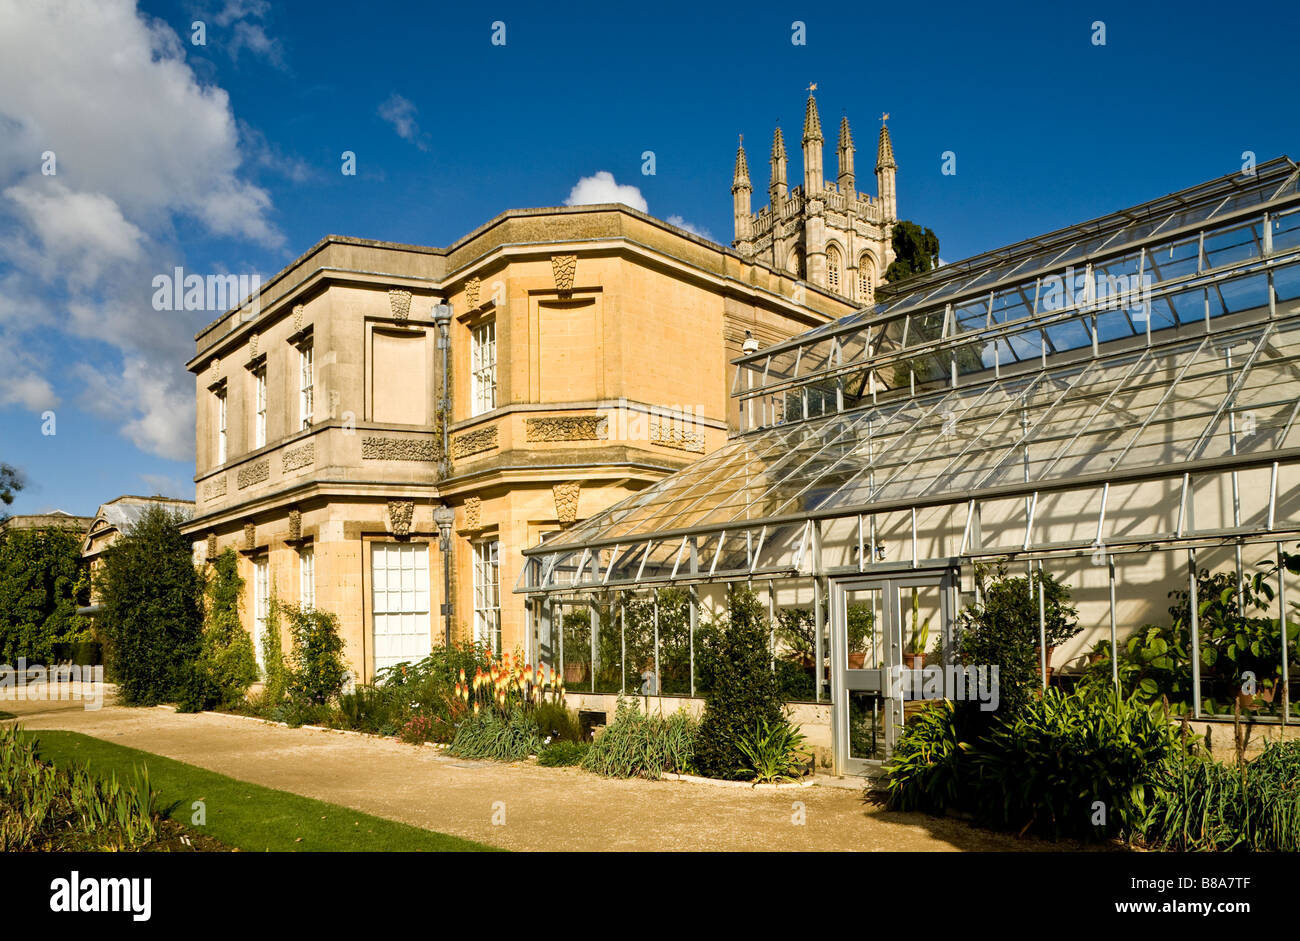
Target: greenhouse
[{"x": 1111, "y": 407}]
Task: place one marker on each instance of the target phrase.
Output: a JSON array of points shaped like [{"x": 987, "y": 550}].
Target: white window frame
[
  {"x": 306, "y": 383},
  {"x": 401, "y": 601},
  {"x": 259, "y": 429},
  {"x": 483, "y": 367},
  {"x": 221, "y": 426},
  {"x": 307, "y": 576},
  {"x": 487, "y": 593},
  {"x": 261, "y": 606}
]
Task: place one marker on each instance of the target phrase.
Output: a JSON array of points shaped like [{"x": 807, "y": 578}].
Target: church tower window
[{"x": 833, "y": 269}]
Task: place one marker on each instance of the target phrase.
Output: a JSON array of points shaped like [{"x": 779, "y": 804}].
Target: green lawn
[{"x": 248, "y": 816}]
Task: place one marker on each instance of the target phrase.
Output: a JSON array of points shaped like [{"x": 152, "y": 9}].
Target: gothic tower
[{"x": 823, "y": 232}]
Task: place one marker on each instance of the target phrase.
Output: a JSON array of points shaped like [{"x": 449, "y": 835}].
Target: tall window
[
  {"x": 261, "y": 605},
  {"x": 259, "y": 430},
  {"x": 833, "y": 268},
  {"x": 221, "y": 426},
  {"x": 483, "y": 366},
  {"x": 306, "y": 384},
  {"x": 400, "y": 575},
  {"x": 866, "y": 279},
  {"x": 487, "y": 594},
  {"x": 307, "y": 577}
]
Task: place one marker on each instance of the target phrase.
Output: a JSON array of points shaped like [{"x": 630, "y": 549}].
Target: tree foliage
[
  {"x": 153, "y": 609},
  {"x": 42, "y": 581},
  {"x": 11, "y": 481},
  {"x": 916, "y": 251}
]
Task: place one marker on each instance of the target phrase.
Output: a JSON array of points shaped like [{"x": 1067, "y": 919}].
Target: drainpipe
[{"x": 443, "y": 515}]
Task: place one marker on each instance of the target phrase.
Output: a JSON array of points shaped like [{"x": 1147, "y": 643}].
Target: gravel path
[{"x": 543, "y": 808}]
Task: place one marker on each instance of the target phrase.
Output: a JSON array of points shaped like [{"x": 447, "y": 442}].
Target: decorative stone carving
[
  {"x": 566, "y": 501},
  {"x": 567, "y": 428},
  {"x": 215, "y": 488},
  {"x": 564, "y": 267},
  {"x": 400, "y": 302},
  {"x": 254, "y": 473},
  {"x": 252, "y": 345},
  {"x": 671, "y": 434},
  {"x": 215, "y": 365},
  {"x": 295, "y": 525},
  {"x": 296, "y": 458},
  {"x": 212, "y": 545},
  {"x": 399, "y": 449},
  {"x": 471, "y": 293},
  {"x": 473, "y": 442},
  {"x": 297, "y": 317},
  {"x": 474, "y": 513},
  {"x": 400, "y": 513},
  {"x": 250, "y": 537}
]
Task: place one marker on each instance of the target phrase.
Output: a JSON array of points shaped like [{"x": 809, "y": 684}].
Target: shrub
[
  {"x": 928, "y": 769},
  {"x": 1047, "y": 767},
  {"x": 42, "y": 580},
  {"x": 1003, "y": 631},
  {"x": 773, "y": 752},
  {"x": 563, "y": 754},
  {"x": 490, "y": 734},
  {"x": 1206, "y": 805},
  {"x": 640, "y": 745},
  {"x": 275, "y": 672},
  {"x": 556, "y": 723},
  {"x": 418, "y": 729},
  {"x": 153, "y": 612},
  {"x": 743, "y": 691},
  {"x": 316, "y": 672},
  {"x": 227, "y": 667}
]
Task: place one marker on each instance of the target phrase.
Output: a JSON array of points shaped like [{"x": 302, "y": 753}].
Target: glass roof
[
  {"x": 1203, "y": 375},
  {"x": 1156, "y": 247}
]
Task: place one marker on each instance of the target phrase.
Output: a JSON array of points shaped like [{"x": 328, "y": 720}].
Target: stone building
[
  {"x": 587, "y": 352},
  {"x": 116, "y": 517},
  {"x": 825, "y": 232}
]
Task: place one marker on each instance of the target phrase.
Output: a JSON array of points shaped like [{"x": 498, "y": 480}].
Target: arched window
[
  {"x": 793, "y": 265},
  {"x": 834, "y": 267},
  {"x": 866, "y": 279}
]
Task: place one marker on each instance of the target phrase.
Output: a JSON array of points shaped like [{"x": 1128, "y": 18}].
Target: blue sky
[{"x": 227, "y": 156}]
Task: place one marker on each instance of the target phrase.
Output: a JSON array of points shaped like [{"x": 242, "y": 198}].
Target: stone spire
[
  {"x": 885, "y": 149},
  {"x": 846, "y": 179},
  {"x": 813, "y": 181},
  {"x": 886, "y": 171},
  {"x": 740, "y": 191},
  {"x": 741, "y": 177},
  {"x": 780, "y": 182},
  {"x": 812, "y": 123}
]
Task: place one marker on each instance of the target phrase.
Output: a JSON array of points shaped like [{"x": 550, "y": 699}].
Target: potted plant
[
  {"x": 914, "y": 654},
  {"x": 860, "y": 623}
]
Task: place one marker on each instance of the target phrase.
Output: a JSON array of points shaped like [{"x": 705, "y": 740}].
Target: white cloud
[
  {"x": 400, "y": 113},
  {"x": 246, "y": 34},
  {"x": 683, "y": 224},
  {"x": 602, "y": 188},
  {"x": 140, "y": 144}
]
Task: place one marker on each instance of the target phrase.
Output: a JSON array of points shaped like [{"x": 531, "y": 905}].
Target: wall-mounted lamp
[{"x": 444, "y": 517}]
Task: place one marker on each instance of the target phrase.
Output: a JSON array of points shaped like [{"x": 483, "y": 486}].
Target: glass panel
[{"x": 576, "y": 649}]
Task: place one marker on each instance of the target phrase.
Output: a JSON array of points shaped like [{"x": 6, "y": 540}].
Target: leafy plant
[
  {"x": 927, "y": 770},
  {"x": 640, "y": 745},
  {"x": 153, "y": 608},
  {"x": 919, "y": 639},
  {"x": 562, "y": 754},
  {"x": 493, "y": 735},
  {"x": 743, "y": 691},
  {"x": 316, "y": 671},
  {"x": 226, "y": 667},
  {"x": 42, "y": 580},
  {"x": 773, "y": 752}
]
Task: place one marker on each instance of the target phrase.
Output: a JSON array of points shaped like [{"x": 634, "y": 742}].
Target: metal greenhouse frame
[{"x": 1124, "y": 387}]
